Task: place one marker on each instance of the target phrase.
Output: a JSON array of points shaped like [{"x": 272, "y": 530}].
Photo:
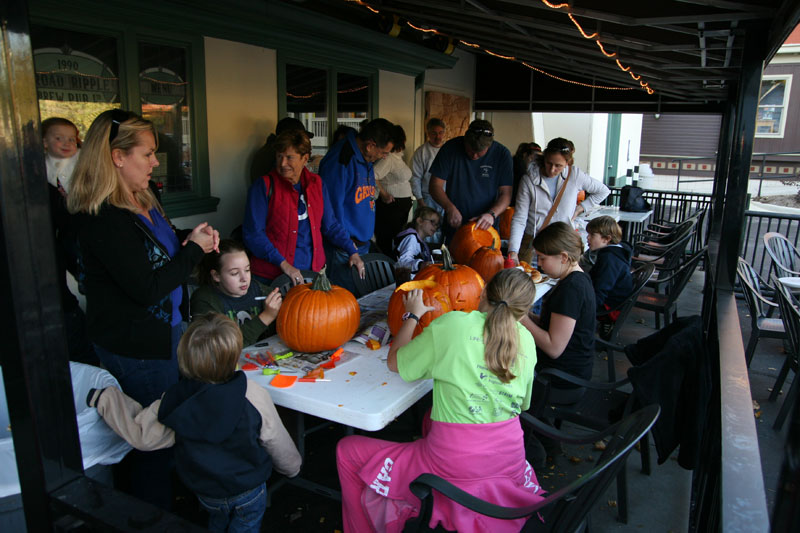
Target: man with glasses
[
  {"x": 347, "y": 173},
  {"x": 479, "y": 175}
]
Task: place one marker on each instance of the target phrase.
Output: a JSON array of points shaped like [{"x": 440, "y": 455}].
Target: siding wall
[
  {"x": 791, "y": 134},
  {"x": 680, "y": 135}
]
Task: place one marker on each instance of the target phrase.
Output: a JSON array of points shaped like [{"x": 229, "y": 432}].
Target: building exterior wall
[
  {"x": 396, "y": 104},
  {"x": 242, "y": 101}
]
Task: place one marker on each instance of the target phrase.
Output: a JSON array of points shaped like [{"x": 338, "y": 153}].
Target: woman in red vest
[{"x": 288, "y": 212}]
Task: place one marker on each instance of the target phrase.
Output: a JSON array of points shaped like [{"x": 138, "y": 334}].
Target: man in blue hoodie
[{"x": 346, "y": 170}]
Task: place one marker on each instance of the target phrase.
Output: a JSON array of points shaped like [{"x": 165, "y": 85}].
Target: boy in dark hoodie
[
  {"x": 611, "y": 273},
  {"x": 225, "y": 428}
]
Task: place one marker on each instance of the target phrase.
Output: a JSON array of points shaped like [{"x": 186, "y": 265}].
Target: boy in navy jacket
[{"x": 611, "y": 273}]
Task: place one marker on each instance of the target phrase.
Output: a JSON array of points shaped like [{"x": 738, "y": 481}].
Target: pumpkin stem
[
  {"x": 447, "y": 259},
  {"x": 321, "y": 283}
]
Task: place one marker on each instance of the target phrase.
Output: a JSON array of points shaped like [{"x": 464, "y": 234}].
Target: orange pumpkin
[
  {"x": 487, "y": 262},
  {"x": 433, "y": 295},
  {"x": 461, "y": 283},
  {"x": 505, "y": 223},
  {"x": 318, "y": 316},
  {"x": 468, "y": 238},
  {"x": 581, "y": 196}
]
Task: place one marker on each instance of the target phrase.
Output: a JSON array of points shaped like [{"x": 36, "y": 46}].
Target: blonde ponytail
[{"x": 509, "y": 295}]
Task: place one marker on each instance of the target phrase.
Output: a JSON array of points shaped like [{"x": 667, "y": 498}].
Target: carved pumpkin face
[{"x": 461, "y": 283}]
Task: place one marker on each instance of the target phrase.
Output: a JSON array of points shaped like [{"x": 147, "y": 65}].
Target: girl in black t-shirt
[{"x": 564, "y": 331}]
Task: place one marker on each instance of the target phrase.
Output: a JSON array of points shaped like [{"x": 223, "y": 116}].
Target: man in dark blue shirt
[{"x": 479, "y": 176}]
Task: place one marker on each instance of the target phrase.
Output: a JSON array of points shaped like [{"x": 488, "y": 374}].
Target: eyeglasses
[
  {"x": 118, "y": 116},
  {"x": 434, "y": 223},
  {"x": 482, "y": 131}
]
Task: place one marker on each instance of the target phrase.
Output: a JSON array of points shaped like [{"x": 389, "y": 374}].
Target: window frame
[
  {"x": 785, "y": 106},
  {"x": 332, "y": 72},
  {"x": 180, "y": 203}
]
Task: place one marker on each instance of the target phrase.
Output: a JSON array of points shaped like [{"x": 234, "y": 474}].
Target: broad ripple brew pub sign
[{"x": 72, "y": 76}]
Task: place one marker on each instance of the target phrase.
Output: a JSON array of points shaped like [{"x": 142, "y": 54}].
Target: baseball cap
[{"x": 291, "y": 124}]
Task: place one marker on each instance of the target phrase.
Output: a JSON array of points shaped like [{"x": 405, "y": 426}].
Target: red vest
[{"x": 281, "y": 227}]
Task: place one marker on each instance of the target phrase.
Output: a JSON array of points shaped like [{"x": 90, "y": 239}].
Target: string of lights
[
  {"x": 593, "y": 36},
  {"x": 315, "y": 93}
]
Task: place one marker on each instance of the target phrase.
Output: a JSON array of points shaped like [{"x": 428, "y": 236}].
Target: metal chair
[
  {"x": 666, "y": 255},
  {"x": 790, "y": 314},
  {"x": 564, "y": 510},
  {"x": 641, "y": 275},
  {"x": 379, "y": 272},
  {"x": 666, "y": 303},
  {"x": 761, "y": 325},
  {"x": 785, "y": 257},
  {"x": 284, "y": 282}
]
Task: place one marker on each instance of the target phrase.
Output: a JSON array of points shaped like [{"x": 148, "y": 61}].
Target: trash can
[{"x": 100, "y": 446}]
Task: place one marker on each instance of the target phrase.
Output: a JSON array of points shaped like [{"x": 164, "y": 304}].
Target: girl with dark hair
[{"x": 227, "y": 287}]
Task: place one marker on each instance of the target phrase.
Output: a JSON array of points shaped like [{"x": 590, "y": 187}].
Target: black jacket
[
  {"x": 129, "y": 277},
  {"x": 611, "y": 275},
  {"x": 672, "y": 368},
  {"x": 217, "y": 453}
]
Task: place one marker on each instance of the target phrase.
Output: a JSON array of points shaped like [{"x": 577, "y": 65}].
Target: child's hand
[
  {"x": 413, "y": 303},
  {"x": 271, "y": 307}
]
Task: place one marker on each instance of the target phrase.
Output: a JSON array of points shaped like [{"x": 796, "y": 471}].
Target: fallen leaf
[
  {"x": 353, "y": 373},
  {"x": 758, "y": 414},
  {"x": 600, "y": 445},
  {"x": 575, "y": 460},
  {"x": 612, "y": 503},
  {"x": 756, "y": 406}
]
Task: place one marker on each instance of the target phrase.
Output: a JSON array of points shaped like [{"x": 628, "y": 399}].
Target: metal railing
[{"x": 759, "y": 159}]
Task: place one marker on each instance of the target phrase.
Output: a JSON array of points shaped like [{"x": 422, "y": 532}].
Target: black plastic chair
[
  {"x": 666, "y": 303},
  {"x": 379, "y": 272},
  {"x": 284, "y": 282},
  {"x": 565, "y": 510},
  {"x": 667, "y": 255},
  {"x": 761, "y": 325},
  {"x": 601, "y": 404},
  {"x": 641, "y": 275},
  {"x": 785, "y": 257},
  {"x": 790, "y": 314}
]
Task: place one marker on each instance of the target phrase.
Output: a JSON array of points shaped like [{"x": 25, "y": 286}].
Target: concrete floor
[{"x": 657, "y": 503}]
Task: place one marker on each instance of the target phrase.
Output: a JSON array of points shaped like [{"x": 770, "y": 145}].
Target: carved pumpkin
[
  {"x": 469, "y": 238},
  {"x": 433, "y": 295},
  {"x": 318, "y": 316},
  {"x": 505, "y": 223},
  {"x": 461, "y": 283},
  {"x": 487, "y": 262}
]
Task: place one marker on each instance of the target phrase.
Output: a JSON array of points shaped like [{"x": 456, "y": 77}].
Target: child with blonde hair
[
  {"x": 482, "y": 368},
  {"x": 225, "y": 429}
]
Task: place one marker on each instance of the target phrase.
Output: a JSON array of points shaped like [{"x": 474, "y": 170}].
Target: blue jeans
[
  {"x": 237, "y": 514},
  {"x": 145, "y": 380},
  {"x": 338, "y": 270}
]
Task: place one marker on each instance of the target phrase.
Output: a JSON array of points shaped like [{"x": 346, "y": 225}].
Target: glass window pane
[
  {"x": 772, "y": 92},
  {"x": 76, "y": 74},
  {"x": 307, "y": 101},
  {"x": 352, "y": 99},
  {"x": 165, "y": 95},
  {"x": 768, "y": 119}
]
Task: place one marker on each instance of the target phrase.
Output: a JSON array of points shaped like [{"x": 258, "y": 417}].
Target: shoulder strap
[{"x": 556, "y": 202}]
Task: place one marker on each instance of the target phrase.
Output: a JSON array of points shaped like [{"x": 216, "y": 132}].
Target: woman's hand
[
  {"x": 453, "y": 216},
  {"x": 295, "y": 275},
  {"x": 412, "y": 301},
  {"x": 386, "y": 197},
  {"x": 579, "y": 210},
  {"x": 205, "y": 237},
  {"x": 271, "y": 307},
  {"x": 356, "y": 261},
  {"x": 514, "y": 257}
]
